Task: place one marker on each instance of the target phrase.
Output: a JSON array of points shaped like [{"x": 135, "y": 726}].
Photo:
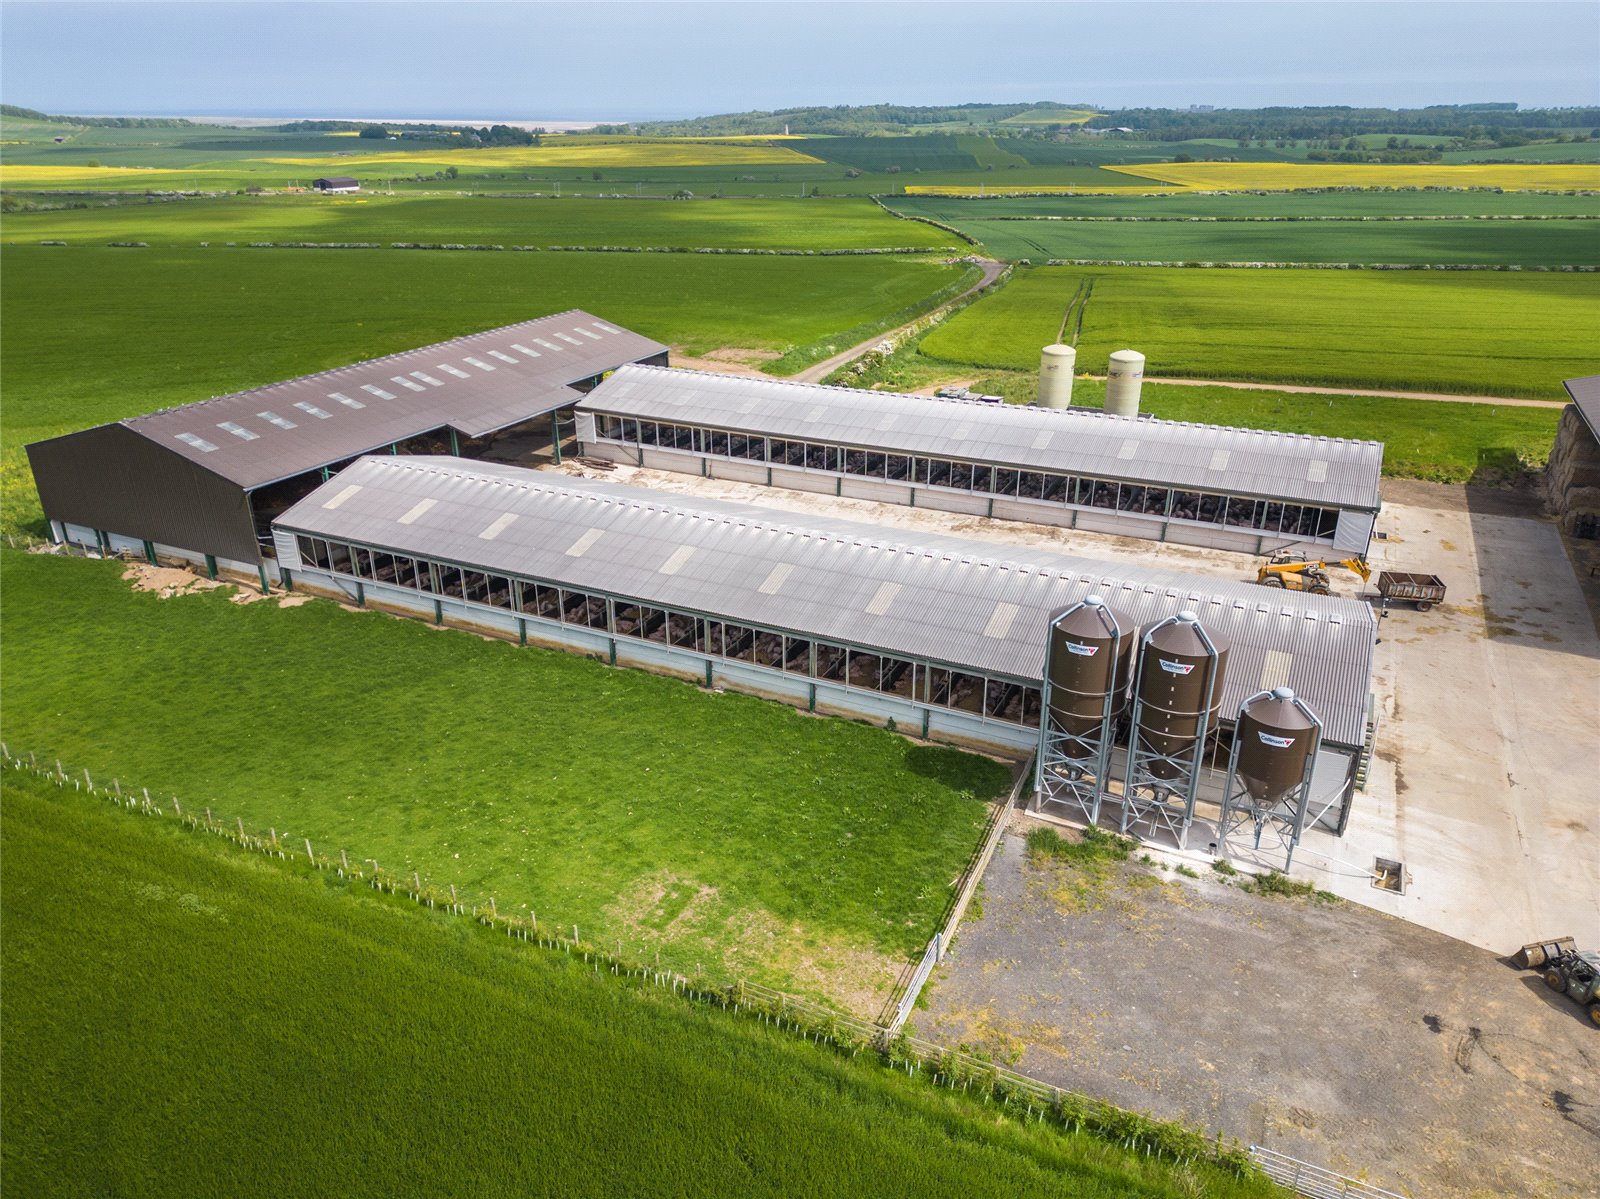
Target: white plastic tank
[
  {"x": 1056, "y": 364},
  {"x": 1124, "y": 378}
]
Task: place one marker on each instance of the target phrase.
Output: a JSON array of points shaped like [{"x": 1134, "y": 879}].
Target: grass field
[
  {"x": 1477, "y": 333},
  {"x": 820, "y": 224},
  {"x": 184, "y": 1019},
  {"x": 1479, "y": 243},
  {"x": 1269, "y": 175},
  {"x": 1180, "y": 205},
  {"x": 172, "y": 325},
  {"x": 811, "y": 854}
]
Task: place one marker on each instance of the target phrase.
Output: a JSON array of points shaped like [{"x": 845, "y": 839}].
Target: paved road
[
  {"x": 819, "y": 372},
  {"x": 1441, "y": 397}
]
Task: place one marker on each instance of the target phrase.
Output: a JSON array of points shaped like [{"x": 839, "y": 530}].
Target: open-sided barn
[
  {"x": 1236, "y": 489},
  {"x": 942, "y": 635},
  {"x": 204, "y": 481}
]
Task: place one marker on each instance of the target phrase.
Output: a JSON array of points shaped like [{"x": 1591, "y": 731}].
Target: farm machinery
[
  {"x": 1293, "y": 574},
  {"x": 1576, "y": 975}
]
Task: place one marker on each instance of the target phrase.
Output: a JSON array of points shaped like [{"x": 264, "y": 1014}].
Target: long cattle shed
[
  {"x": 939, "y": 634},
  {"x": 203, "y": 481},
  {"x": 1236, "y": 489}
]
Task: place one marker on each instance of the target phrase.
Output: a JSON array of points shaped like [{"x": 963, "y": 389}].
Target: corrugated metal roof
[
  {"x": 1290, "y": 466},
  {"x": 913, "y": 593},
  {"x": 1585, "y": 393},
  {"x": 476, "y": 384}
]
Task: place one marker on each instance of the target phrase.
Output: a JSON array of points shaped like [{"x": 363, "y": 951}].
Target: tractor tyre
[
  {"x": 1274, "y": 581},
  {"x": 1555, "y": 980},
  {"x": 1594, "y": 1012},
  {"x": 1424, "y": 606},
  {"x": 1320, "y": 589}
]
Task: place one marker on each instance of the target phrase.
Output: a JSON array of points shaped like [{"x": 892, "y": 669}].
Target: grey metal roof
[
  {"x": 476, "y": 384},
  {"x": 911, "y": 593},
  {"x": 1290, "y": 466},
  {"x": 1585, "y": 393}
]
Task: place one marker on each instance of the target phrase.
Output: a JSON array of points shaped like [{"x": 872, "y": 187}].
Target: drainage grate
[{"x": 1389, "y": 875}]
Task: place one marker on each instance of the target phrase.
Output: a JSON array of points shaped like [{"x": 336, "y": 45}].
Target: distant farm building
[
  {"x": 1234, "y": 489},
  {"x": 1573, "y": 476},
  {"x": 337, "y": 185},
  {"x": 203, "y": 482}
]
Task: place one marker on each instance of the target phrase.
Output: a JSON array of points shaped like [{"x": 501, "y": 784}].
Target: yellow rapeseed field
[
  {"x": 1291, "y": 176},
  {"x": 556, "y": 154},
  {"x": 23, "y": 174}
]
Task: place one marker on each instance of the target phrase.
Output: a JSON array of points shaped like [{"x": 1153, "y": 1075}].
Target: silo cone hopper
[
  {"x": 1268, "y": 791},
  {"x": 1087, "y": 661}
]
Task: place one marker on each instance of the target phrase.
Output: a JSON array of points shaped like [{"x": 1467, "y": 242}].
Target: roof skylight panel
[
  {"x": 408, "y": 384},
  {"x": 497, "y": 526},
  {"x": 567, "y": 337},
  {"x": 524, "y": 350},
  {"x": 548, "y": 345},
  {"x": 311, "y": 409},
  {"x": 416, "y": 510},
  {"x": 374, "y": 389},
  {"x": 239, "y": 431},
  {"x": 776, "y": 578},
  {"x": 1317, "y": 472},
  {"x": 586, "y": 333},
  {"x": 882, "y": 599},
  {"x": 676, "y": 561},
  {"x": 605, "y": 328},
  {"x": 502, "y": 357},
  {"x": 427, "y": 378},
  {"x": 342, "y": 496},
  {"x": 199, "y": 443},
  {"x": 477, "y": 362},
  {"x": 272, "y": 418},
  {"x": 1219, "y": 460},
  {"x": 340, "y": 397},
  {"x": 1128, "y": 449},
  {"x": 454, "y": 370}
]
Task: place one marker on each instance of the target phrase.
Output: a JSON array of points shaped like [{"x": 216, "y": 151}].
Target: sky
[{"x": 583, "y": 60}]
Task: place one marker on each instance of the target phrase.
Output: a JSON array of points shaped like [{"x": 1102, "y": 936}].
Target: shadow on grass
[{"x": 984, "y": 778}]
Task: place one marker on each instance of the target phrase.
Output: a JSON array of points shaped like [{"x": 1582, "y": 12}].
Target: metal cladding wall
[{"x": 114, "y": 480}]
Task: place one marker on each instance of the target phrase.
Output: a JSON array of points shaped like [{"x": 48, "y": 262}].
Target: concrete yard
[
  {"x": 1326, "y": 1031},
  {"x": 1488, "y": 748}
]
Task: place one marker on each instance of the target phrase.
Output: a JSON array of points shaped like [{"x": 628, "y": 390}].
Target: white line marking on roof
[
  {"x": 675, "y": 563},
  {"x": 416, "y": 511},
  {"x": 1000, "y": 621},
  {"x": 584, "y": 544},
  {"x": 775, "y": 579},
  {"x": 497, "y": 527},
  {"x": 342, "y": 496},
  {"x": 408, "y": 384},
  {"x": 882, "y": 598}
]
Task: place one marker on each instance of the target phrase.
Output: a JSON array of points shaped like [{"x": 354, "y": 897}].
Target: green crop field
[
  {"x": 1483, "y": 333},
  {"x": 1179, "y": 205},
  {"x": 1478, "y": 243},
  {"x": 812, "y": 854},
  {"x": 818, "y": 224},
  {"x": 183, "y": 1018},
  {"x": 170, "y": 325}
]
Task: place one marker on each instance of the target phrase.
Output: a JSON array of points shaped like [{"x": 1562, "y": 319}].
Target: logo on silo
[
  {"x": 1275, "y": 742},
  {"x": 1083, "y": 651},
  {"x": 1175, "y": 667}
]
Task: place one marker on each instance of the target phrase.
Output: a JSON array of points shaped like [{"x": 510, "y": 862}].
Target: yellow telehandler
[{"x": 1296, "y": 574}]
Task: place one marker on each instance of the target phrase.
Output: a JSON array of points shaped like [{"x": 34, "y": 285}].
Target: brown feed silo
[
  {"x": 1276, "y": 735},
  {"x": 1179, "y": 684},
  {"x": 1084, "y": 666}
]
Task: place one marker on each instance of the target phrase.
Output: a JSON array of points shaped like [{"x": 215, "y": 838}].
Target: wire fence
[{"x": 1009, "y": 1091}]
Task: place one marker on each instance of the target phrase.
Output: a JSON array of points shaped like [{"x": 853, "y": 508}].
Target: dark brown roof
[{"x": 475, "y": 384}]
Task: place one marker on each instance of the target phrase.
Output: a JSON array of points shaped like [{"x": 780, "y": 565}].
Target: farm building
[
  {"x": 203, "y": 481},
  {"x": 1235, "y": 489},
  {"x": 1573, "y": 476},
  {"x": 336, "y": 185},
  {"x": 938, "y": 634}
]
